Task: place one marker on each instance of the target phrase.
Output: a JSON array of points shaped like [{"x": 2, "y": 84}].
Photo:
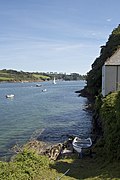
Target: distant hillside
[{"x": 20, "y": 76}]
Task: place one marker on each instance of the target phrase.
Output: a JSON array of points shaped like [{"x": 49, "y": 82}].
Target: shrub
[
  {"x": 26, "y": 165},
  {"x": 110, "y": 115}
]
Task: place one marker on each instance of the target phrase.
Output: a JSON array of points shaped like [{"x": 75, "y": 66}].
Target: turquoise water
[{"x": 48, "y": 116}]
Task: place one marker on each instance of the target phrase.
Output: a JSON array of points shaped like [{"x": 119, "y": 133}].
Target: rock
[
  {"x": 54, "y": 151},
  {"x": 38, "y": 146},
  {"x": 60, "y": 150}
]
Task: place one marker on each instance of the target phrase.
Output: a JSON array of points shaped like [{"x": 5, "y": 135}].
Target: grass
[
  {"x": 87, "y": 169},
  {"x": 30, "y": 166},
  {"x": 41, "y": 76},
  {"x": 3, "y": 73},
  {"x": 6, "y": 79},
  {"x": 12, "y": 75}
]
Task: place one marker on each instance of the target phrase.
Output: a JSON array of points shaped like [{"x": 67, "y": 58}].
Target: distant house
[{"x": 111, "y": 74}]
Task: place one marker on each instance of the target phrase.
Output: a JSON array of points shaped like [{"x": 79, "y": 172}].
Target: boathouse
[{"x": 111, "y": 74}]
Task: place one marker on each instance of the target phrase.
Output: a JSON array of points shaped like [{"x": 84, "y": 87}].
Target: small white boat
[
  {"x": 44, "y": 90},
  {"x": 54, "y": 82},
  {"x": 38, "y": 85},
  {"x": 10, "y": 95},
  {"x": 79, "y": 144}
]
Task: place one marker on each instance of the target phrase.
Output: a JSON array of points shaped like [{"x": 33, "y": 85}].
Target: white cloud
[{"x": 109, "y": 20}]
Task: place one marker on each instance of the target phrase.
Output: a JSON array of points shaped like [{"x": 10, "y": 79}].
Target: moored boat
[
  {"x": 38, "y": 85},
  {"x": 79, "y": 144},
  {"x": 10, "y": 95},
  {"x": 44, "y": 90}
]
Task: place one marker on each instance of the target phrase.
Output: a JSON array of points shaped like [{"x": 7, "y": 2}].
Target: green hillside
[
  {"x": 19, "y": 76},
  {"x": 94, "y": 76},
  {"x": 106, "y": 111}
]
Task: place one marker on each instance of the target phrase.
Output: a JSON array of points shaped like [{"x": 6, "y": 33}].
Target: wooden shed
[{"x": 111, "y": 74}]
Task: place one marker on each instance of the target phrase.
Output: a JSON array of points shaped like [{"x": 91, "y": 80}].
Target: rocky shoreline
[
  {"x": 96, "y": 121},
  {"x": 54, "y": 152}
]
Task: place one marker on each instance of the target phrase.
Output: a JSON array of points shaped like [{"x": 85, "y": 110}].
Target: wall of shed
[
  {"x": 118, "y": 77},
  {"x": 110, "y": 79}
]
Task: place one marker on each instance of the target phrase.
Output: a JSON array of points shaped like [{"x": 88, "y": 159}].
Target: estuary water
[{"x": 48, "y": 115}]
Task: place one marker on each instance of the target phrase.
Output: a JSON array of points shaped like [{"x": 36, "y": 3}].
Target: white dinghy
[
  {"x": 10, "y": 96},
  {"x": 79, "y": 144}
]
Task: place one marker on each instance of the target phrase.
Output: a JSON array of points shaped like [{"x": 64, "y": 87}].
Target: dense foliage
[
  {"x": 110, "y": 115},
  {"x": 107, "y": 110},
  {"x": 67, "y": 77},
  {"x": 26, "y": 165},
  {"x": 94, "y": 76}
]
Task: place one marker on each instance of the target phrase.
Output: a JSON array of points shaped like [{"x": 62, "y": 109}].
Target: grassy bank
[{"x": 29, "y": 165}]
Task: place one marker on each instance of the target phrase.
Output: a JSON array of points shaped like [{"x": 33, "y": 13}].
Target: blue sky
[{"x": 54, "y": 35}]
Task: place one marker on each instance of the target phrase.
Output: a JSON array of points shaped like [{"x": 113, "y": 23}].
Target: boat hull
[
  {"x": 79, "y": 144},
  {"x": 10, "y": 96}
]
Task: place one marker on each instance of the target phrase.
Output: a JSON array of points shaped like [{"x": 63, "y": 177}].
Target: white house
[{"x": 111, "y": 74}]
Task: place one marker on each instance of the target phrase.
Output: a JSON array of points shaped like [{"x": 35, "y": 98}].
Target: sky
[{"x": 55, "y": 35}]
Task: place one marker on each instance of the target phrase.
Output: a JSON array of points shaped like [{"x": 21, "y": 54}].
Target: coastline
[
  {"x": 26, "y": 163},
  {"x": 65, "y": 115},
  {"x": 96, "y": 131},
  {"x": 26, "y": 81}
]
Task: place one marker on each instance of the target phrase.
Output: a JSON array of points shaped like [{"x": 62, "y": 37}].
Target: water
[{"x": 48, "y": 116}]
